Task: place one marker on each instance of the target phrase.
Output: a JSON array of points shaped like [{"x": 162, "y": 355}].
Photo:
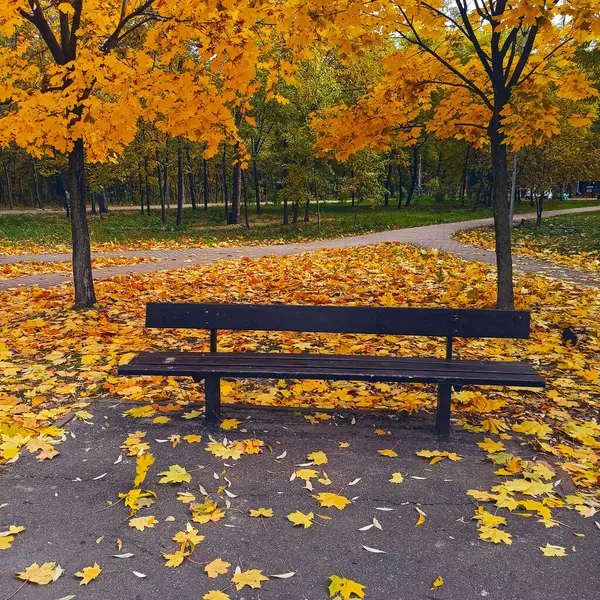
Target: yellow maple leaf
[
  {"x": 343, "y": 444},
  {"x": 439, "y": 582},
  {"x": 490, "y": 445},
  {"x": 388, "y": 452},
  {"x": 88, "y": 574},
  {"x": 488, "y": 519},
  {"x": 299, "y": 518},
  {"x": 549, "y": 550},
  {"x": 261, "y": 512},
  {"x": 306, "y": 474},
  {"x": 420, "y": 520},
  {"x": 536, "y": 428},
  {"x": 6, "y": 541},
  {"x": 175, "y": 559},
  {"x": 495, "y": 535},
  {"x": 216, "y": 595},
  {"x": 396, "y": 478},
  {"x": 317, "y": 458},
  {"x": 230, "y": 424},
  {"x": 40, "y": 574},
  {"x": 141, "y": 523},
  {"x": 346, "y": 589},
  {"x": 161, "y": 420},
  {"x": 218, "y": 449},
  {"x": 328, "y": 499},
  {"x": 251, "y": 578},
  {"x": 192, "y": 438},
  {"x": 142, "y": 465},
  {"x": 188, "y": 537},
  {"x": 175, "y": 474},
  {"x": 217, "y": 567}
]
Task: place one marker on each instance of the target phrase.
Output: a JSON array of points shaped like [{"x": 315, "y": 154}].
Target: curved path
[{"x": 429, "y": 236}]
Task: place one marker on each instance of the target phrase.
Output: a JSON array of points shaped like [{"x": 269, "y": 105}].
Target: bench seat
[{"x": 334, "y": 367}]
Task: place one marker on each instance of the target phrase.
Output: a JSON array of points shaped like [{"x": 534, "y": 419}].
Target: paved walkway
[{"x": 430, "y": 236}]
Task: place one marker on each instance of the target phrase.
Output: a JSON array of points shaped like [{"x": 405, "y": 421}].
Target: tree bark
[
  {"x": 163, "y": 211},
  {"x": 236, "y": 194},
  {"x": 388, "y": 181},
  {"x": 400, "y": 190},
  {"x": 191, "y": 178},
  {"x": 256, "y": 187},
  {"x": 8, "y": 187},
  {"x": 245, "y": 200},
  {"x": 205, "y": 183},
  {"x": 147, "y": 181},
  {"x": 180, "y": 185},
  {"x": 414, "y": 170},
  {"x": 85, "y": 296},
  {"x": 505, "y": 300},
  {"x": 224, "y": 180}
]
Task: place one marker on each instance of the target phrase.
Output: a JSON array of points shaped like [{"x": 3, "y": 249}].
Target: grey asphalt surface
[{"x": 61, "y": 506}]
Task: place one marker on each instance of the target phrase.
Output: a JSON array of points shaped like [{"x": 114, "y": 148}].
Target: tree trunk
[
  {"x": 502, "y": 227},
  {"x": 191, "y": 178},
  {"x": 539, "y": 206},
  {"x": 388, "y": 181},
  {"x": 93, "y": 199},
  {"x": 236, "y": 194},
  {"x": 400, "y": 189},
  {"x": 307, "y": 210},
  {"x": 38, "y": 197},
  {"x": 141, "y": 186},
  {"x": 147, "y": 181},
  {"x": 224, "y": 180},
  {"x": 161, "y": 190},
  {"x": 463, "y": 187},
  {"x": 245, "y": 189},
  {"x": 180, "y": 185},
  {"x": 414, "y": 170},
  {"x": 82, "y": 256},
  {"x": 205, "y": 183},
  {"x": 256, "y": 187},
  {"x": 8, "y": 187}
]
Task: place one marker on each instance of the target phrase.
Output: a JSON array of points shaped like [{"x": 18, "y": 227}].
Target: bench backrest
[{"x": 443, "y": 322}]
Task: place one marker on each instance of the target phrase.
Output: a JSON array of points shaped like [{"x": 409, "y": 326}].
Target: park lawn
[
  {"x": 119, "y": 230},
  {"x": 572, "y": 240}
]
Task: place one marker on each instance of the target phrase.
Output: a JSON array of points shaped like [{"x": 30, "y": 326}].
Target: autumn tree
[
  {"x": 77, "y": 78},
  {"x": 481, "y": 69}
]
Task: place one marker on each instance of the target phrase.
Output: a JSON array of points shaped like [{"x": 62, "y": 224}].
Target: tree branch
[
  {"x": 39, "y": 21},
  {"x": 116, "y": 35}
]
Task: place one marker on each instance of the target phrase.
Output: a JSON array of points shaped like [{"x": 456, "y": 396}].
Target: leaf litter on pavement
[{"x": 54, "y": 362}]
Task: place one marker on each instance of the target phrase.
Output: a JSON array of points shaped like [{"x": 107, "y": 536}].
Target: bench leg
[
  {"x": 212, "y": 398},
  {"x": 442, "y": 424}
]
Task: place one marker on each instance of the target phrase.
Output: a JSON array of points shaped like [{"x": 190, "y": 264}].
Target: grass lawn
[
  {"x": 130, "y": 230},
  {"x": 573, "y": 240}
]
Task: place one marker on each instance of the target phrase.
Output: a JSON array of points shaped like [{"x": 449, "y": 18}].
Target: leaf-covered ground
[
  {"x": 572, "y": 240},
  {"x": 21, "y": 269},
  {"x": 53, "y": 361}
]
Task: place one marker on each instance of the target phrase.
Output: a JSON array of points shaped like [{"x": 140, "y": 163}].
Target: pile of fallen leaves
[
  {"x": 525, "y": 245},
  {"x": 50, "y": 355},
  {"x": 54, "y": 361},
  {"x": 34, "y": 267}
]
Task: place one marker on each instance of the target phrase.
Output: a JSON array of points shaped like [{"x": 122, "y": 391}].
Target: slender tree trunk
[
  {"x": 224, "y": 179},
  {"x": 82, "y": 256},
  {"x": 147, "y": 181},
  {"x": 307, "y": 210},
  {"x": 142, "y": 198},
  {"x": 180, "y": 184},
  {"x": 414, "y": 170},
  {"x": 388, "y": 183},
  {"x": 236, "y": 193},
  {"x": 205, "y": 183},
  {"x": 502, "y": 227},
  {"x": 318, "y": 209},
  {"x": 244, "y": 187},
  {"x": 191, "y": 178},
  {"x": 285, "y": 209},
  {"x": 400, "y": 187},
  {"x": 9, "y": 189},
  {"x": 539, "y": 206},
  {"x": 256, "y": 187},
  {"x": 463, "y": 187},
  {"x": 36, "y": 179},
  {"x": 161, "y": 189}
]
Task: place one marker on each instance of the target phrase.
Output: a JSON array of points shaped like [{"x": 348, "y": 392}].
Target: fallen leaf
[
  {"x": 217, "y": 567},
  {"x": 439, "y": 582},
  {"x": 141, "y": 523},
  {"x": 88, "y": 574},
  {"x": 299, "y": 518},
  {"x": 251, "y": 578},
  {"x": 175, "y": 474},
  {"x": 549, "y": 550}
]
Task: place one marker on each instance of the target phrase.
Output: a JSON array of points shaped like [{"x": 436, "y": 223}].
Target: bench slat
[
  {"x": 404, "y": 370},
  {"x": 234, "y": 359},
  {"x": 438, "y": 322}
]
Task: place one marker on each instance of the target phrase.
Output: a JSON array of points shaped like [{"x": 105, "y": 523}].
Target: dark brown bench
[{"x": 446, "y": 373}]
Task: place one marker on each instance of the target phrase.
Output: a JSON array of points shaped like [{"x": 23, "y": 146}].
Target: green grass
[
  {"x": 567, "y": 234},
  {"x": 208, "y": 226}
]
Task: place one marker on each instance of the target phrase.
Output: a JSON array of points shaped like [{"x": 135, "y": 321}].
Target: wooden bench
[{"x": 445, "y": 372}]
